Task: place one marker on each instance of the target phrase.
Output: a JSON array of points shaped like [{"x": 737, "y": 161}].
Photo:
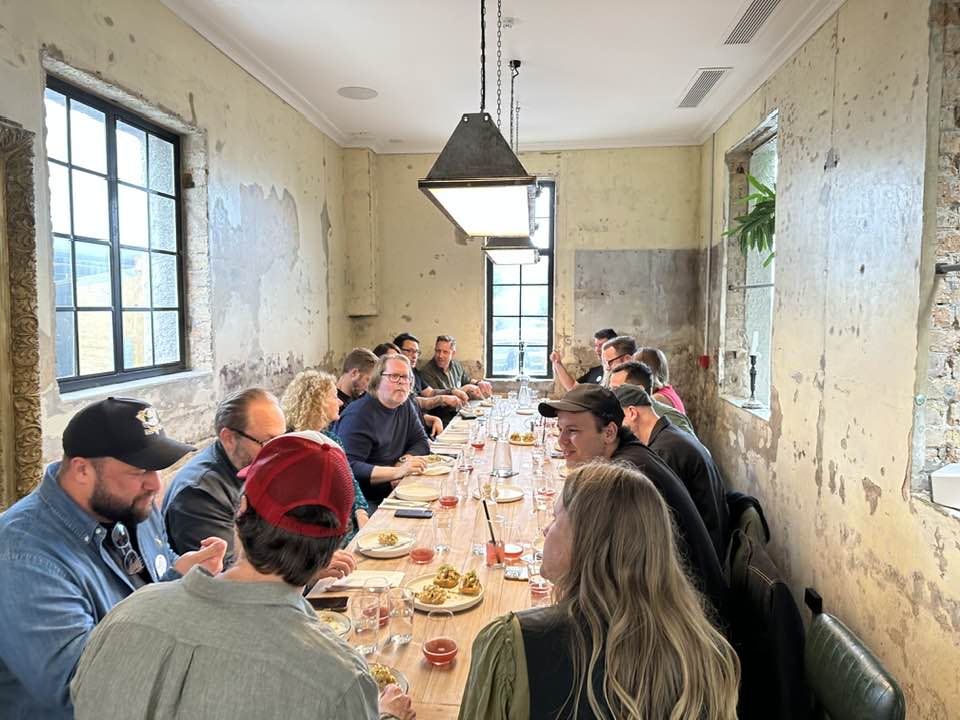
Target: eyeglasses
[
  {"x": 410, "y": 351},
  {"x": 398, "y": 378},
  {"x": 132, "y": 564},
  {"x": 242, "y": 434},
  {"x": 612, "y": 363}
]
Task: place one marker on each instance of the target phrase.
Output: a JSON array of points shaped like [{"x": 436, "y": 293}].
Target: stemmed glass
[{"x": 439, "y": 645}]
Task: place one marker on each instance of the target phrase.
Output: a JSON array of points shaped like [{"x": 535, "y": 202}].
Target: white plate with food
[
  {"x": 438, "y": 469},
  {"x": 517, "y": 438},
  {"x": 525, "y": 411},
  {"x": 418, "y": 492},
  {"x": 504, "y": 494},
  {"x": 455, "y": 592},
  {"x": 436, "y": 459},
  {"x": 338, "y": 622},
  {"x": 386, "y": 675},
  {"x": 387, "y": 543}
]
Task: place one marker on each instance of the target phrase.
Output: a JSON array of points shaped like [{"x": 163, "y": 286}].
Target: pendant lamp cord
[
  {"x": 483, "y": 55},
  {"x": 514, "y": 71},
  {"x": 499, "y": 58}
]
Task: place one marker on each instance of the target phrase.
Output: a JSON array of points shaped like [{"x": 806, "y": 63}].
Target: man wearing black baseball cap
[
  {"x": 591, "y": 427},
  {"x": 85, "y": 539}
]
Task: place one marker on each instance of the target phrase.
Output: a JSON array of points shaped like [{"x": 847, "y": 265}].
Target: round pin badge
[{"x": 160, "y": 564}]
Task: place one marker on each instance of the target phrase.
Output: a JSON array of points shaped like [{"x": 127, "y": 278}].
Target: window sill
[
  {"x": 763, "y": 413},
  {"x": 924, "y": 497},
  {"x": 131, "y": 387}
]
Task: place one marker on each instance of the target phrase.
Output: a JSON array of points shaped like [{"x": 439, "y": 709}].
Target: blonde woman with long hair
[
  {"x": 310, "y": 402},
  {"x": 629, "y": 637}
]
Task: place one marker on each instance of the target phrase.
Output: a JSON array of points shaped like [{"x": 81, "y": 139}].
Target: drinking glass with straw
[{"x": 494, "y": 554}]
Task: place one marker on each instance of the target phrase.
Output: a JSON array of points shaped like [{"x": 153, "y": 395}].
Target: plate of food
[
  {"x": 502, "y": 493},
  {"x": 387, "y": 543},
  {"x": 438, "y": 469},
  {"x": 446, "y": 589},
  {"x": 518, "y": 438},
  {"x": 338, "y": 622},
  {"x": 417, "y": 492},
  {"x": 386, "y": 675},
  {"x": 435, "y": 459},
  {"x": 526, "y": 411}
]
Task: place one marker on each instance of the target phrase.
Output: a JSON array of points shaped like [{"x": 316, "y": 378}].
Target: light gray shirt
[{"x": 219, "y": 650}]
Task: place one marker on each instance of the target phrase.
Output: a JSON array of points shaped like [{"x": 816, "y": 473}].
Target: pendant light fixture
[{"x": 477, "y": 180}]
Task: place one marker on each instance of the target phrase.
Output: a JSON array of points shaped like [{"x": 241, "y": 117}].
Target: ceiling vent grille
[
  {"x": 751, "y": 22},
  {"x": 705, "y": 81}
]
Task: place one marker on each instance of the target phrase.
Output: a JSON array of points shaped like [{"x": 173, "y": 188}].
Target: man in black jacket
[{"x": 590, "y": 420}]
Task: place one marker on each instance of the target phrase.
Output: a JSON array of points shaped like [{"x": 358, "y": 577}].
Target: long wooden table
[{"x": 436, "y": 691}]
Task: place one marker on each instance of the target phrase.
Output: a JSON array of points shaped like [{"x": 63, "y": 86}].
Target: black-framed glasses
[
  {"x": 612, "y": 363},
  {"x": 410, "y": 351},
  {"x": 132, "y": 563},
  {"x": 242, "y": 434},
  {"x": 398, "y": 378}
]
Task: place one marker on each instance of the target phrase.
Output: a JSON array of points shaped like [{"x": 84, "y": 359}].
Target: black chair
[{"x": 847, "y": 680}]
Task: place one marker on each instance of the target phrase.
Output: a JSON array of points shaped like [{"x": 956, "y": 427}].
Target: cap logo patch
[{"x": 150, "y": 420}]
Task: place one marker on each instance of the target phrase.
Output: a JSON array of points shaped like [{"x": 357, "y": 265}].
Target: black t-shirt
[
  {"x": 593, "y": 376},
  {"x": 138, "y": 579},
  {"x": 344, "y": 397}
]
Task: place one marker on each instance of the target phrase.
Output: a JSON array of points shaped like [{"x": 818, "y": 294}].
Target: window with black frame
[
  {"x": 117, "y": 262},
  {"x": 520, "y": 302}
]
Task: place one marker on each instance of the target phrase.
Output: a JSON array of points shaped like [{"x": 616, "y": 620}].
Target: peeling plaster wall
[
  {"x": 633, "y": 200},
  {"x": 274, "y": 198},
  {"x": 832, "y": 464}
]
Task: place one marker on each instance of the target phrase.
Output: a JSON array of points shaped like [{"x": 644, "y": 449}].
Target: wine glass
[
  {"x": 540, "y": 587},
  {"x": 439, "y": 645},
  {"x": 449, "y": 498},
  {"x": 423, "y": 551},
  {"x": 401, "y": 601},
  {"x": 443, "y": 530},
  {"x": 478, "y": 436}
]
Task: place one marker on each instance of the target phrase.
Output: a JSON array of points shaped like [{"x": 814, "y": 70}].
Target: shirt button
[
  {"x": 159, "y": 542},
  {"x": 99, "y": 531},
  {"x": 86, "y": 538}
]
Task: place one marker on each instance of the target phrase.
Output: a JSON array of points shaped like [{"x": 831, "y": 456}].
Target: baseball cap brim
[
  {"x": 550, "y": 408},
  {"x": 159, "y": 455}
]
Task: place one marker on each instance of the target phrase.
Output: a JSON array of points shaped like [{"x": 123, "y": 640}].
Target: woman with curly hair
[
  {"x": 629, "y": 637},
  {"x": 310, "y": 402}
]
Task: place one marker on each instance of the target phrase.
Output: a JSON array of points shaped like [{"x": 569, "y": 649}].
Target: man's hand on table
[
  {"x": 394, "y": 702},
  {"x": 408, "y": 465},
  {"x": 209, "y": 556},
  {"x": 342, "y": 564},
  {"x": 452, "y": 400},
  {"x": 485, "y": 388},
  {"x": 434, "y": 426},
  {"x": 459, "y": 394},
  {"x": 472, "y": 391}
]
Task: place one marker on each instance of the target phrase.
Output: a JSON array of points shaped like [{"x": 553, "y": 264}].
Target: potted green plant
[{"x": 755, "y": 229}]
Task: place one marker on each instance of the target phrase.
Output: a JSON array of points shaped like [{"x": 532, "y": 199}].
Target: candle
[{"x": 753, "y": 345}]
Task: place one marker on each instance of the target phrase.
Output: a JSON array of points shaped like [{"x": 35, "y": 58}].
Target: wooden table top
[{"x": 436, "y": 691}]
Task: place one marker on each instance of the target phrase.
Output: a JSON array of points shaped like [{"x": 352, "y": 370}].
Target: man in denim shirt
[{"x": 86, "y": 538}]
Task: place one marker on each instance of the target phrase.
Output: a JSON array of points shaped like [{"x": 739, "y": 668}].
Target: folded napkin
[{"x": 356, "y": 579}]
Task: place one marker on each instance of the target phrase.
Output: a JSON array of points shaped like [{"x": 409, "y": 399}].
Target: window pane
[
  {"x": 88, "y": 137},
  {"x": 133, "y": 216},
  {"x": 166, "y": 337},
  {"x": 163, "y": 223},
  {"x": 137, "y": 340},
  {"x": 62, "y": 273},
  {"x": 535, "y": 360},
  {"x": 506, "y": 274},
  {"x": 93, "y": 275},
  {"x": 96, "y": 342},
  {"x": 541, "y": 238},
  {"x": 55, "y": 105},
  {"x": 64, "y": 342},
  {"x": 90, "y": 217},
  {"x": 59, "y": 198},
  {"x": 534, "y": 331},
  {"x": 505, "y": 361},
  {"x": 131, "y": 154},
  {"x": 164, "y": 275},
  {"x": 134, "y": 279},
  {"x": 541, "y": 208},
  {"x": 506, "y": 300},
  {"x": 161, "y": 165},
  {"x": 534, "y": 300},
  {"x": 538, "y": 273},
  {"x": 506, "y": 330}
]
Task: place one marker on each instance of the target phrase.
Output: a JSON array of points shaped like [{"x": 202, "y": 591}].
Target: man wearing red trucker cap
[{"x": 244, "y": 644}]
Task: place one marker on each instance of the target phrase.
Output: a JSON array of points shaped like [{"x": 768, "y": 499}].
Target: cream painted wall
[
  {"x": 831, "y": 466},
  {"x": 274, "y": 198},
  {"x": 432, "y": 279}
]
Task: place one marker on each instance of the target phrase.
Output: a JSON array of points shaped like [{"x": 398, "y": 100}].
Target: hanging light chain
[
  {"x": 483, "y": 55},
  {"x": 499, "y": 56},
  {"x": 514, "y": 71}
]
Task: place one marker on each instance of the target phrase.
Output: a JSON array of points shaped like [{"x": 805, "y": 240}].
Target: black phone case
[{"x": 413, "y": 513}]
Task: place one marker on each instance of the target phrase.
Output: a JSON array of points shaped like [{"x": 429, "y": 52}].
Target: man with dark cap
[
  {"x": 245, "y": 644},
  {"x": 591, "y": 427},
  {"x": 683, "y": 453},
  {"x": 85, "y": 539}
]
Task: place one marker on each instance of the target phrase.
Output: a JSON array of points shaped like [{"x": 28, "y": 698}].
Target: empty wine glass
[{"x": 443, "y": 530}]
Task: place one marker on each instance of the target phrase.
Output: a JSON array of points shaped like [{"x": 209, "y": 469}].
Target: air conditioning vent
[
  {"x": 751, "y": 22},
  {"x": 705, "y": 80}
]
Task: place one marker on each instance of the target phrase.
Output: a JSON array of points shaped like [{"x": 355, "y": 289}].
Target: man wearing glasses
[
  {"x": 381, "y": 433},
  {"x": 85, "y": 539}
]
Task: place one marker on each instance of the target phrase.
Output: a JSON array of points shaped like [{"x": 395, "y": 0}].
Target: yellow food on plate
[
  {"x": 522, "y": 437},
  {"x": 470, "y": 584},
  {"x": 515, "y": 436},
  {"x": 432, "y": 595},
  {"x": 434, "y": 459},
  {"x": 383, "y": 676},
  {"x": 387, "y": 538},
  {"x": 447, "y": 577}
]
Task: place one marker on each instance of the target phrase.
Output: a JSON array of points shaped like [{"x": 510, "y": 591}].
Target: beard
[
  {"x": 357, "y": 389},
  {"x": 117, "y": 510}
]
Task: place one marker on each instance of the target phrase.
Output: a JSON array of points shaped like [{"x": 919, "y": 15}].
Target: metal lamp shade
[
  {"x": 511, "y": 251},
  {"x": 478, "y": 182}
]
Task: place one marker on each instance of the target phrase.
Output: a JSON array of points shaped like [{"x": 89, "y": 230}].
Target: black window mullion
[
  {"x": 114, "y": 208},
  {"x": 73, "y": 246}
]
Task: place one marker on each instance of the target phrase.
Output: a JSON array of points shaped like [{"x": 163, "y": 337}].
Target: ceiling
[{"x": 609, "y": 73}]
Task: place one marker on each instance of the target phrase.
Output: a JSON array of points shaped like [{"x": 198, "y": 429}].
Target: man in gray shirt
[{"x": 244, "y": 644}]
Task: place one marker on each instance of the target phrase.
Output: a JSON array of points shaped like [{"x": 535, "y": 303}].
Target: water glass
[
  {"x": 365, "y": 611},
  {"x": 401, "y": 615},
  {"x": 443, "y": 530},
  {"x": 439, "y": 645},
  {"x": 379, "y": 587}
]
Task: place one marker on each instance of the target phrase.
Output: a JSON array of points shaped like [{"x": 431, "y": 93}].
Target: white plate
[
  {"x": 455, "y": 602},
  {"x": 526, "y": 411},
  {"x": 368, "y": 544},
  {"x": 338, "y": 622},
  {"x": 436, "y": 469},
  {"x": 418, "y": 492},
  {"x": 505, "y": 494},
  {"x": 402, "y": 681},
  {"x": 522, "y": 443}
]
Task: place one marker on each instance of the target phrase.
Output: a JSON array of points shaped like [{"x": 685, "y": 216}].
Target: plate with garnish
[
  {"x": 527, "y": 438},
  {"x": 386, "y": 675},
  {"x": 501, "y": 493},
  {"x": 338, "y": 622},
  {"x": 387, "y": 543},
  {"x": 446, "y": 589}
]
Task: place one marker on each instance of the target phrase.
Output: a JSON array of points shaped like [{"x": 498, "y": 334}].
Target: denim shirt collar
[{"x": 77, "y": 520}]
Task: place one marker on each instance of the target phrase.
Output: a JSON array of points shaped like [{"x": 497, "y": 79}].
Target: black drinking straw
[{"x": 489, "y": 524}]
